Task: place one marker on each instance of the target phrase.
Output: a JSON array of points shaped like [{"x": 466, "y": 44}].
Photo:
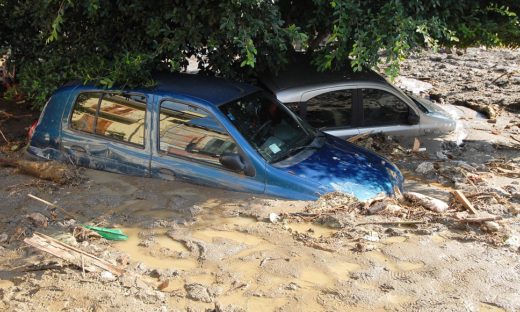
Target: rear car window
[
  {"x": 383, "y": 108},
  {"x": 117, "y": 116},
  {"x": 191, "y": 132},
  {"x": 330, "y": 110}
]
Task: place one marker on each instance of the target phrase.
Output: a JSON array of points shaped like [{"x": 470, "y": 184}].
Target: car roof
[
  {"x": 300, "y": 73},
  {"x": 211, "y": 90}
]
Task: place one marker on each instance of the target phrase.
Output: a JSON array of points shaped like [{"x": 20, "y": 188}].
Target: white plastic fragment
[{"x": 273, "y": 217}]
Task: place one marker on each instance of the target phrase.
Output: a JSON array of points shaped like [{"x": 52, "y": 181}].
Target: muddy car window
[
  {"x": 120, "y": 117},
  {"x": 188, "y": 131},
  {"x": 383, "y": 108},
  {"x": 330, "y": 110}
]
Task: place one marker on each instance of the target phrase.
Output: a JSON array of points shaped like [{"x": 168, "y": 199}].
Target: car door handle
[
  {"x": 166, "y": 174},
  {"x": 78, "y": 149}
]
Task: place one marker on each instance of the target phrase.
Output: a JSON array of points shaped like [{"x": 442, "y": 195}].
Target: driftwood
[
  {"x": 427, "y": 202},
  {"x": 464, "y": 201},
  {"x": 73, "y": 255},
  {"x": 406, "y": 222},
  {"x": 49, "y": 170},
  {"x": 358, "y": 137}
]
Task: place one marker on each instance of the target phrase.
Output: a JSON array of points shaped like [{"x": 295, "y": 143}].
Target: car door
[
  {"x": 190, "y": 141},
  {"x": 107, "y": 131},
  {"x": 331, "y": 110},
  {"x": 384, "y": 111}
]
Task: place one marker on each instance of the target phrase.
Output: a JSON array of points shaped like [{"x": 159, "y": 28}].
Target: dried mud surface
[{"x": 192, "y": 248}]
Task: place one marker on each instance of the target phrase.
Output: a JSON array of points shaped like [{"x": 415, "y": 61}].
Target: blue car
[{"x": 206, "y": 131}]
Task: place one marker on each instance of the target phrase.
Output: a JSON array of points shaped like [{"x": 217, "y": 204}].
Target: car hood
[{"x": 342, "y": 166}]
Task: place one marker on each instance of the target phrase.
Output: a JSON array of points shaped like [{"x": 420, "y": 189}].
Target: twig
[
  {"x": 479, "y": 220},
  {"x": 394, "y": 222},
  {"x": 82, "y": 266},
  {"x": 3, "y": 136}
]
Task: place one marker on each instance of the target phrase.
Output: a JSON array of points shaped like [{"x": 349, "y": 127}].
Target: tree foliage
[{"x": 122, "y": 42}]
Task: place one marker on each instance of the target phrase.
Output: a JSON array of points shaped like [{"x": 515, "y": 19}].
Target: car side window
[
  {"x": 383, "y": 108},
  {"x": 117, "y": 116},
  {"x": 191, "y": 132},
  {"x": 330, "y": 110},
  {"x": 84, "y": 113}
]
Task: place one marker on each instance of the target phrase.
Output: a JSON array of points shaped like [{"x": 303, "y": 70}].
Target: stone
[
  {"x": 198, "y": 292},
  {"x": 37, "y": 219},
  {"x": 425, "y": 168},
  {"x": 3, "y": 238},
  {"x": 107, "y": 276},
  {"x": 491, "y": 226}
]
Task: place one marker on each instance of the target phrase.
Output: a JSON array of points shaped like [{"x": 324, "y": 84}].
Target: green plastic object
[{"x": 110, "y": 234}]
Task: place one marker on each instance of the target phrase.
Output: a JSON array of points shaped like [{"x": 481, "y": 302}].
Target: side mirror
[{"x": 234, "y": 162}]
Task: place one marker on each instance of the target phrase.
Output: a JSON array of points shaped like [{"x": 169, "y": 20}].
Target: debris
[
  {"x": 358, "y": 137},
  {"x": 198, "y": 292},
  {"x": 37, "y": 219},
  {"x": 163, "y": 284},
  {"x": 371, "y": 237},
  {"x": 107, "y": 276},
  {"x": 53, "y": 205},
  {"x": 3, "y": 238},
  {"x": 70, "y": 254},
  {"x": 405, "y": 222},
  {"x": 464, "y": 201},
  {"x": 425, "y": 167},
  {"x": 49, "y": 170},
  {"x": 480, "y": 220},
  {"x": 427, "y": 202},
  {"x": 273, "y": 217},
  {"x": 110, "y": 234},
  {"x": 416, "y": 145},
  {"x": 513, "y": 241},
  {"x": 490, "y": 226}
]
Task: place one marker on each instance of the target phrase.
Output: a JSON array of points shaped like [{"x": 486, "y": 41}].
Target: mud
[{"x": 192, "y": 248}]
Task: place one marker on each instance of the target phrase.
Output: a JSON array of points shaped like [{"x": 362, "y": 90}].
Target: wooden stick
[
  {"x": 464, "y": 201},
  {"x": 394, "y": 222},
  {"x": 480, "y": 220},
  {"x": 71, "y": 254},
  {"x": 55, "y": 206},
  {"x": 358, "y": 137}
]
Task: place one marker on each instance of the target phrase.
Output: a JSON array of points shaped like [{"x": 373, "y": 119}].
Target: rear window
[{"x": 117, "y": 116}]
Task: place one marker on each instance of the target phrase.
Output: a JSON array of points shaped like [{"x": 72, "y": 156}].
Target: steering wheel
[{"x": 261, "y": 129}]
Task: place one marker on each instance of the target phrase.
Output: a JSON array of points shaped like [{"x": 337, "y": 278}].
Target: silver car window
[{"x": 330, "y": 110}]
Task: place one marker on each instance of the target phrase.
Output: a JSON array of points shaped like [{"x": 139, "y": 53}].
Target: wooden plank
[
  {"x": 73, "y": 255},
  {"x": 464, "y": 201}
]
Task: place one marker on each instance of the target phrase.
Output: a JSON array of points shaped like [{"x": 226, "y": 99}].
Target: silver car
[{"x": 347, "y": 104}]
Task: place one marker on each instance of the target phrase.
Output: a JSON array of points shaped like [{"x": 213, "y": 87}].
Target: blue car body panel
[{"x": 335, "y": 166}]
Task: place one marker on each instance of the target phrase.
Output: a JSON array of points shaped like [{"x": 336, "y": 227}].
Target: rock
[
  {"x": 372, "y": 237},
  {"x": 198, "y": 292},
  {"x": 3, "y": 238},
  {"x": 37, "y": 219},
  {"x": 292, "y": 286},
  {"x": 127, "y": 280},
  {"x": 425, "y": 168},
  {"x": 427, "y": 202},
  {"x": 393, "y": 208},
  {"x": 228, "y": 308},
  {"x": 273, "y": 217},
  {"x": 491, "y": 226},
  {"x": 513, "y": 241},
  {"x": 107, "y": 276}
]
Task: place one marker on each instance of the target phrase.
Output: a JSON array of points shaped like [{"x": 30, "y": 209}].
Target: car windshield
[{"x": 272, "y": 129}]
